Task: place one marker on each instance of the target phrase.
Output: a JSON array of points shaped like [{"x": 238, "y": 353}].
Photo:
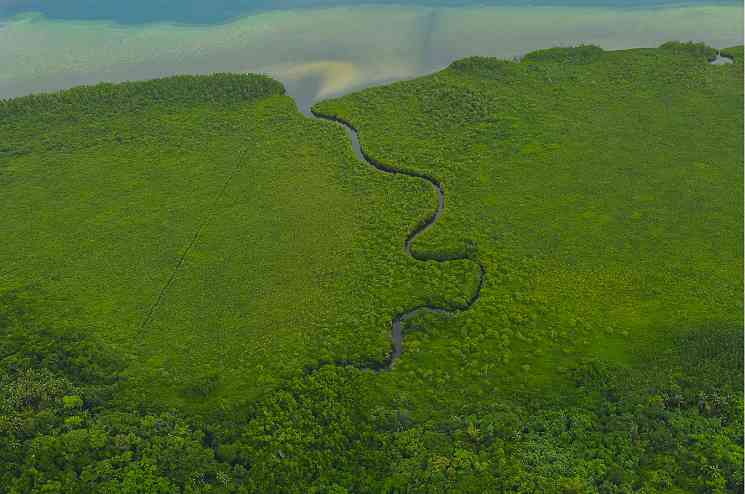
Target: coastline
[{"x": 359, "y": 47}]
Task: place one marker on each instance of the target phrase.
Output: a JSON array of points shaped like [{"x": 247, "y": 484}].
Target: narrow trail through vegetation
[
  {"x": 161, "y": 295},
  {"x": 398, "y": 320}
]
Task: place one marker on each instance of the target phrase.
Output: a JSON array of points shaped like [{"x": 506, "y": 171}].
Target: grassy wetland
[
  {"x": 589, "y": 186},
  {"x": 199, "y": 282},
  {"x": 211, "y": 241}
]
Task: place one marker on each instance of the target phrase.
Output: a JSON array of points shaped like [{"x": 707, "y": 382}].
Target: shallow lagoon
[{"x": 325, "y": 51}]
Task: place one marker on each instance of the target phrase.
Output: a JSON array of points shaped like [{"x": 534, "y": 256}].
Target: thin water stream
[{"x": 397, "y": 322}]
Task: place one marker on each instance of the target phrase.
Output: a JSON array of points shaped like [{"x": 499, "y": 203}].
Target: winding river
[{"x": 397, "y": 322}]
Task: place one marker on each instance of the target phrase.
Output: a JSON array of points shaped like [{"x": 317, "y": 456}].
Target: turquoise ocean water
[{"x": 320, "y": 48}]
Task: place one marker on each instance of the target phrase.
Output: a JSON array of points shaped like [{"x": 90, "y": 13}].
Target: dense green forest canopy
[{"x": 183, "y": 256}]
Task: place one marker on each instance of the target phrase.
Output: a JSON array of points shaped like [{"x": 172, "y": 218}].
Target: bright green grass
[
  {"x": 292, "y": 250},
  {"x": 603, "y": 191}
]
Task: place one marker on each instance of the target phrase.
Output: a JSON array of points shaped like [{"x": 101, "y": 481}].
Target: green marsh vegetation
[
  {"x": 601, "y": 190},
  {"x": 209, "y": 232}
]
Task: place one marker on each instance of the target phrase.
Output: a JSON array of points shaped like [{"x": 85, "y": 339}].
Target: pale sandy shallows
[{"x": 320, "y": 53}]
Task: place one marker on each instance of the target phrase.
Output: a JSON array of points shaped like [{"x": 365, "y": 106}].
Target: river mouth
[{"x": 320, "y": 53}]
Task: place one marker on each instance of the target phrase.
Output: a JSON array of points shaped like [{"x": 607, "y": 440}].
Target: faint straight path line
[{"x": 208, "y": 217}]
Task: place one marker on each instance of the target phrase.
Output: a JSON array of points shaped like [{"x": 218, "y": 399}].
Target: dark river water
[{"x": 319, "y": 48}]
